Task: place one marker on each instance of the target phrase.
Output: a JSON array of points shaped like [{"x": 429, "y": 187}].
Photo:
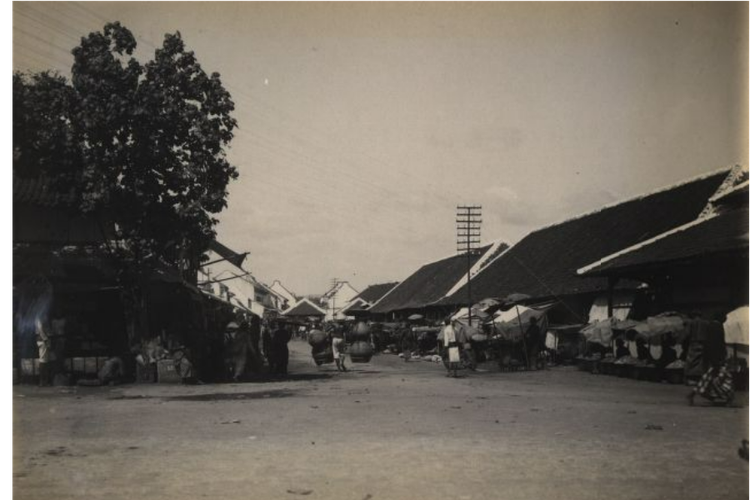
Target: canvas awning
[{"x": 736, "y": 326}]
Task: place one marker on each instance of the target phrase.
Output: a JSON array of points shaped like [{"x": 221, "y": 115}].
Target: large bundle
[
  {"x": 323, "y": 356},
  {"x": 361, "y": 331},
  {"x": 317, "y": 338},
  {"x": 360, "y": 352}
]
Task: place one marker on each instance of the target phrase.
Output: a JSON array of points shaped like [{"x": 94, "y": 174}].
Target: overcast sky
[{"x": 363, "y": 125}]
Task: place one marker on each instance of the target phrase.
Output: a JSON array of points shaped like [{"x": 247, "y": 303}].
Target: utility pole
[
  {"x": 468, "y": 234},
  {"x": 334, "y": 282}
]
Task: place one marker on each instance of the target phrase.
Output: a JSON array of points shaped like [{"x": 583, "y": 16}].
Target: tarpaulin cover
[
  {"x": 602, "y": 332},
  {"x": 507, "y": 323},
  {"x": 656, "y": 327},
  {"x": 463, "y": 314},
  {"x": 736, "y": 326}
]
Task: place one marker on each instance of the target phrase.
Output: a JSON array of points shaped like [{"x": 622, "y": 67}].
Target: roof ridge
[
  {"x": 482, "y": 263},
  {"x": 664, "y": 189}
]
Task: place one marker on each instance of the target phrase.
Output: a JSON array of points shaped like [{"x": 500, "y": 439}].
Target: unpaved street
[{"x": 384, "y": 430}]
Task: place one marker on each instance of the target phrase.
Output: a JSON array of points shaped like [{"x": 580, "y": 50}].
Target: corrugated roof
[
  {"x": 545, "y": 262},
  {"x": 428, "y": 284}
]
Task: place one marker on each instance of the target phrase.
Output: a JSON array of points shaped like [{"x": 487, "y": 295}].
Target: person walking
[
  {"x": 338, "y": 343},
  {"x": 451, "y": 355},
  {"x": 716, "y": 384}
]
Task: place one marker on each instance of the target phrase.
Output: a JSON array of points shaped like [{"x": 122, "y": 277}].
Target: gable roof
[
  {"x": 713, "y": 235},
  {"x": 373, "y": 293},
  {"x": 428, "y": 284},
  {"x": 337, "y": 288},
  {"x": 545, "y": 262},
  {"x": 304, "y": 308},
  {"x": 357, "y": 304}
]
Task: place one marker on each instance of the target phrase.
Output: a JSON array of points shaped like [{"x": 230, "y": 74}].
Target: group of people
[{"x": 250, "y": 345}]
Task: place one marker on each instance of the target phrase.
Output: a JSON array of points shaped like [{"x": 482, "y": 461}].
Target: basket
[{"x": 145, "y": 374}]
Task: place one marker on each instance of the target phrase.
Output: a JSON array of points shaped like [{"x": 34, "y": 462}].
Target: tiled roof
[
  {"x": 545, "y": 262},
  {"x": 428, "y": 284},
  {"x": 726, "y": 232},
  {"x": 373, "y": 293},
  {"x": 304, "y": 308}
]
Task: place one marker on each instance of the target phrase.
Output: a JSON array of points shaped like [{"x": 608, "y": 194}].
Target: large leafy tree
[
  {"x": 144, "y": 144},
  {"x": 154, "y": 140}
]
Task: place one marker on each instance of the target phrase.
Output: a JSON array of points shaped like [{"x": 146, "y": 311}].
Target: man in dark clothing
[
  {"x": 278, "y": 357},
  {"x": 533, "y": 339},
  {"x": 256, "y": 358}
]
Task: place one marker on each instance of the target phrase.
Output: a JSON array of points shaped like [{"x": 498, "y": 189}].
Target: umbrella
[
  {"x": 463, "y": 314},
  {"x": 513, "y": 299},
  {"x": 486, "y": 304}
]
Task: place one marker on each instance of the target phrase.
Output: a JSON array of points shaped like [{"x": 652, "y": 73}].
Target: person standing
[
  {"x": 254, "y": 355},
  {"x": 279, "y": 356},
  {"x": 43, "y": 332},
  {"x": 237, "y": 340},
  {"x": 533, "y": 344}
]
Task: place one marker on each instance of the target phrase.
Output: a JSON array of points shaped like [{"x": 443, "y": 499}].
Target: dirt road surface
[{"x": 386, "y": 430}]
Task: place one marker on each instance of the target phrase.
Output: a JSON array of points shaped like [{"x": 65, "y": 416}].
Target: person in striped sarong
[{"x": 715, "y": 385}]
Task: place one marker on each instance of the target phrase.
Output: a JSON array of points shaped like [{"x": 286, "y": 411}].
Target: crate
[
  {"x": 30, "y": 367},
  {"x": 167, "y": 372},
  {"x": 675, "y": 376}
]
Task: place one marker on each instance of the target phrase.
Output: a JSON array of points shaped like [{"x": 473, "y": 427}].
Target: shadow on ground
[{"x": 233, "y": 396}]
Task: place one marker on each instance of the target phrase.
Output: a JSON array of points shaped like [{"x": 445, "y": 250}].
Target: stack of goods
[
  {"x": 322, "y": 352},
  {"x": 361, "y": 350}
]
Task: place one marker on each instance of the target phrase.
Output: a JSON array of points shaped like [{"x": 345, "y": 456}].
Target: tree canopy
[{"x": 143, "y": 143}]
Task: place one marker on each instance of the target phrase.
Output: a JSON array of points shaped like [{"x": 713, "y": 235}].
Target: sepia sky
[{"x": 363, "y": 125}]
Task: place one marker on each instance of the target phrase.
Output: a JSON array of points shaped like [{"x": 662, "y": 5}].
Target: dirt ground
[{"x": 385, "y": 430}]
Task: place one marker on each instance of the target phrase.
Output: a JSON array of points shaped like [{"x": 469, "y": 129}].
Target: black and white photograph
[{"x": 378, "y": 251}]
